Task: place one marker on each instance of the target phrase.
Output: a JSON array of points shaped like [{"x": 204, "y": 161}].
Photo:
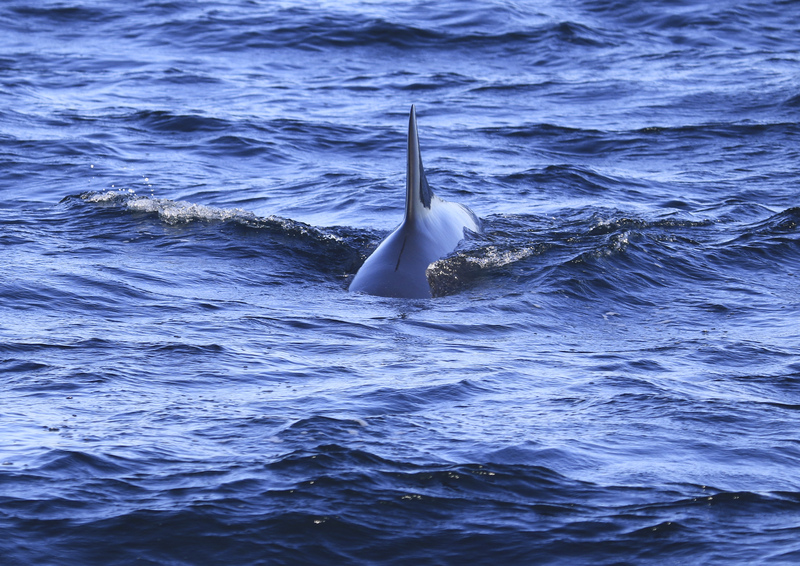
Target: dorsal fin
[
  {"x": 432, "y": 228},
  {"x": 418, "y": 192}
]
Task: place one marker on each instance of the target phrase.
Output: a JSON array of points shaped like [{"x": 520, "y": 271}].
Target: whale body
[{"x": 431, "y": 229}]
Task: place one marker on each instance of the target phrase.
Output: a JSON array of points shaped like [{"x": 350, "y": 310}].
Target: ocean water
[{"x": 609, "y": 373}]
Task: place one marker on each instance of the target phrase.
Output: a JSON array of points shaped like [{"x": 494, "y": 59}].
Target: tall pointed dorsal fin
[
  {"x": 418, "y": 192},
  {"x": 431, "y": 229}
]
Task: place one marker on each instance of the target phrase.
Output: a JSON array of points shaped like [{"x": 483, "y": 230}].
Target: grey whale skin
[{"x": 431, "y": 229}]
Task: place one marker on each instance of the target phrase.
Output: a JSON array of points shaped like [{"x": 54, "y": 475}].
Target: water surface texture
[{"x": 609, "y": 374}]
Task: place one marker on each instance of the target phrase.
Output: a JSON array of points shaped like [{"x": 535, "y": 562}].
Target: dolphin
[{"x": 431, "y": 229}]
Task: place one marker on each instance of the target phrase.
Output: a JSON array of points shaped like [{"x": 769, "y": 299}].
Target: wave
[
  {"x": 617, "y": 253},
  {"x": 334, "y": 250},
  {"x": 316, "y": 499},
  {"x": 238, "y": 28},
  {"x": 587, "y": 142},
  {"x": 595, "y": 254}
]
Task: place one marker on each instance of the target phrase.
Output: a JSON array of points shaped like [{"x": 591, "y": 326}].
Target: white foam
[
  {"x": 105, "y": 196},
  {"x": 492, "y": 257},
  {"x": 175, "y": 212}
]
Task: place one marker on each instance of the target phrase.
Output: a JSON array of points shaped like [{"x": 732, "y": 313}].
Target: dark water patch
[
  {"x": 352, "y": 467},
  {"x": 24, "y": 295},
  {"x": 64, "y": 20},
  {"x": 545, "y": 131},
  {"x": 192, "y": 349},
  {"x": 738, "y": 209},
  {"x": 741, "y": 354},
  {"x": 466, "y": 330},
  {"x": 559, "y": 140},
  {"x": 242, "y": 146},
  {"x": 58, "y": 151},
  {"x": 652, "y": 147},
  {"x": 180, "y": 76},
  {"x": 770, "y": 244},
  {"x": 321, "y": 325},
  {"x": 297, "y": 28},
  {"x": 512, "y": 87},
  {"x": 513, "y": 512},
  {"x": 755, "y": 142},
  {"x": 755, "y": 27},
  {"x": 786, "y": 406},
  {"x": 70, "y": 464},
  {"x": 323, "y": 136},
  {"x": 404, "y": 401},
  {"x": 793, "y": 101},
  {"x": 26, "y": 367},
  {"x": 439, "y": 81},
  {"x": 28, "y": 347},
  {"x": 321, "y": 430},
  {"x": 168, "y": 122},
  {"x": 568, "y": 179},
  {"x": 785, "y": 222}
]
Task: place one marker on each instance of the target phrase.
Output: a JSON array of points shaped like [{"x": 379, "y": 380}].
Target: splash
[{"x": 169, "y": 211}]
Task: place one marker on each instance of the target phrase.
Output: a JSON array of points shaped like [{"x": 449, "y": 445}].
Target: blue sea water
[{"x": 609, "y": 374}]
